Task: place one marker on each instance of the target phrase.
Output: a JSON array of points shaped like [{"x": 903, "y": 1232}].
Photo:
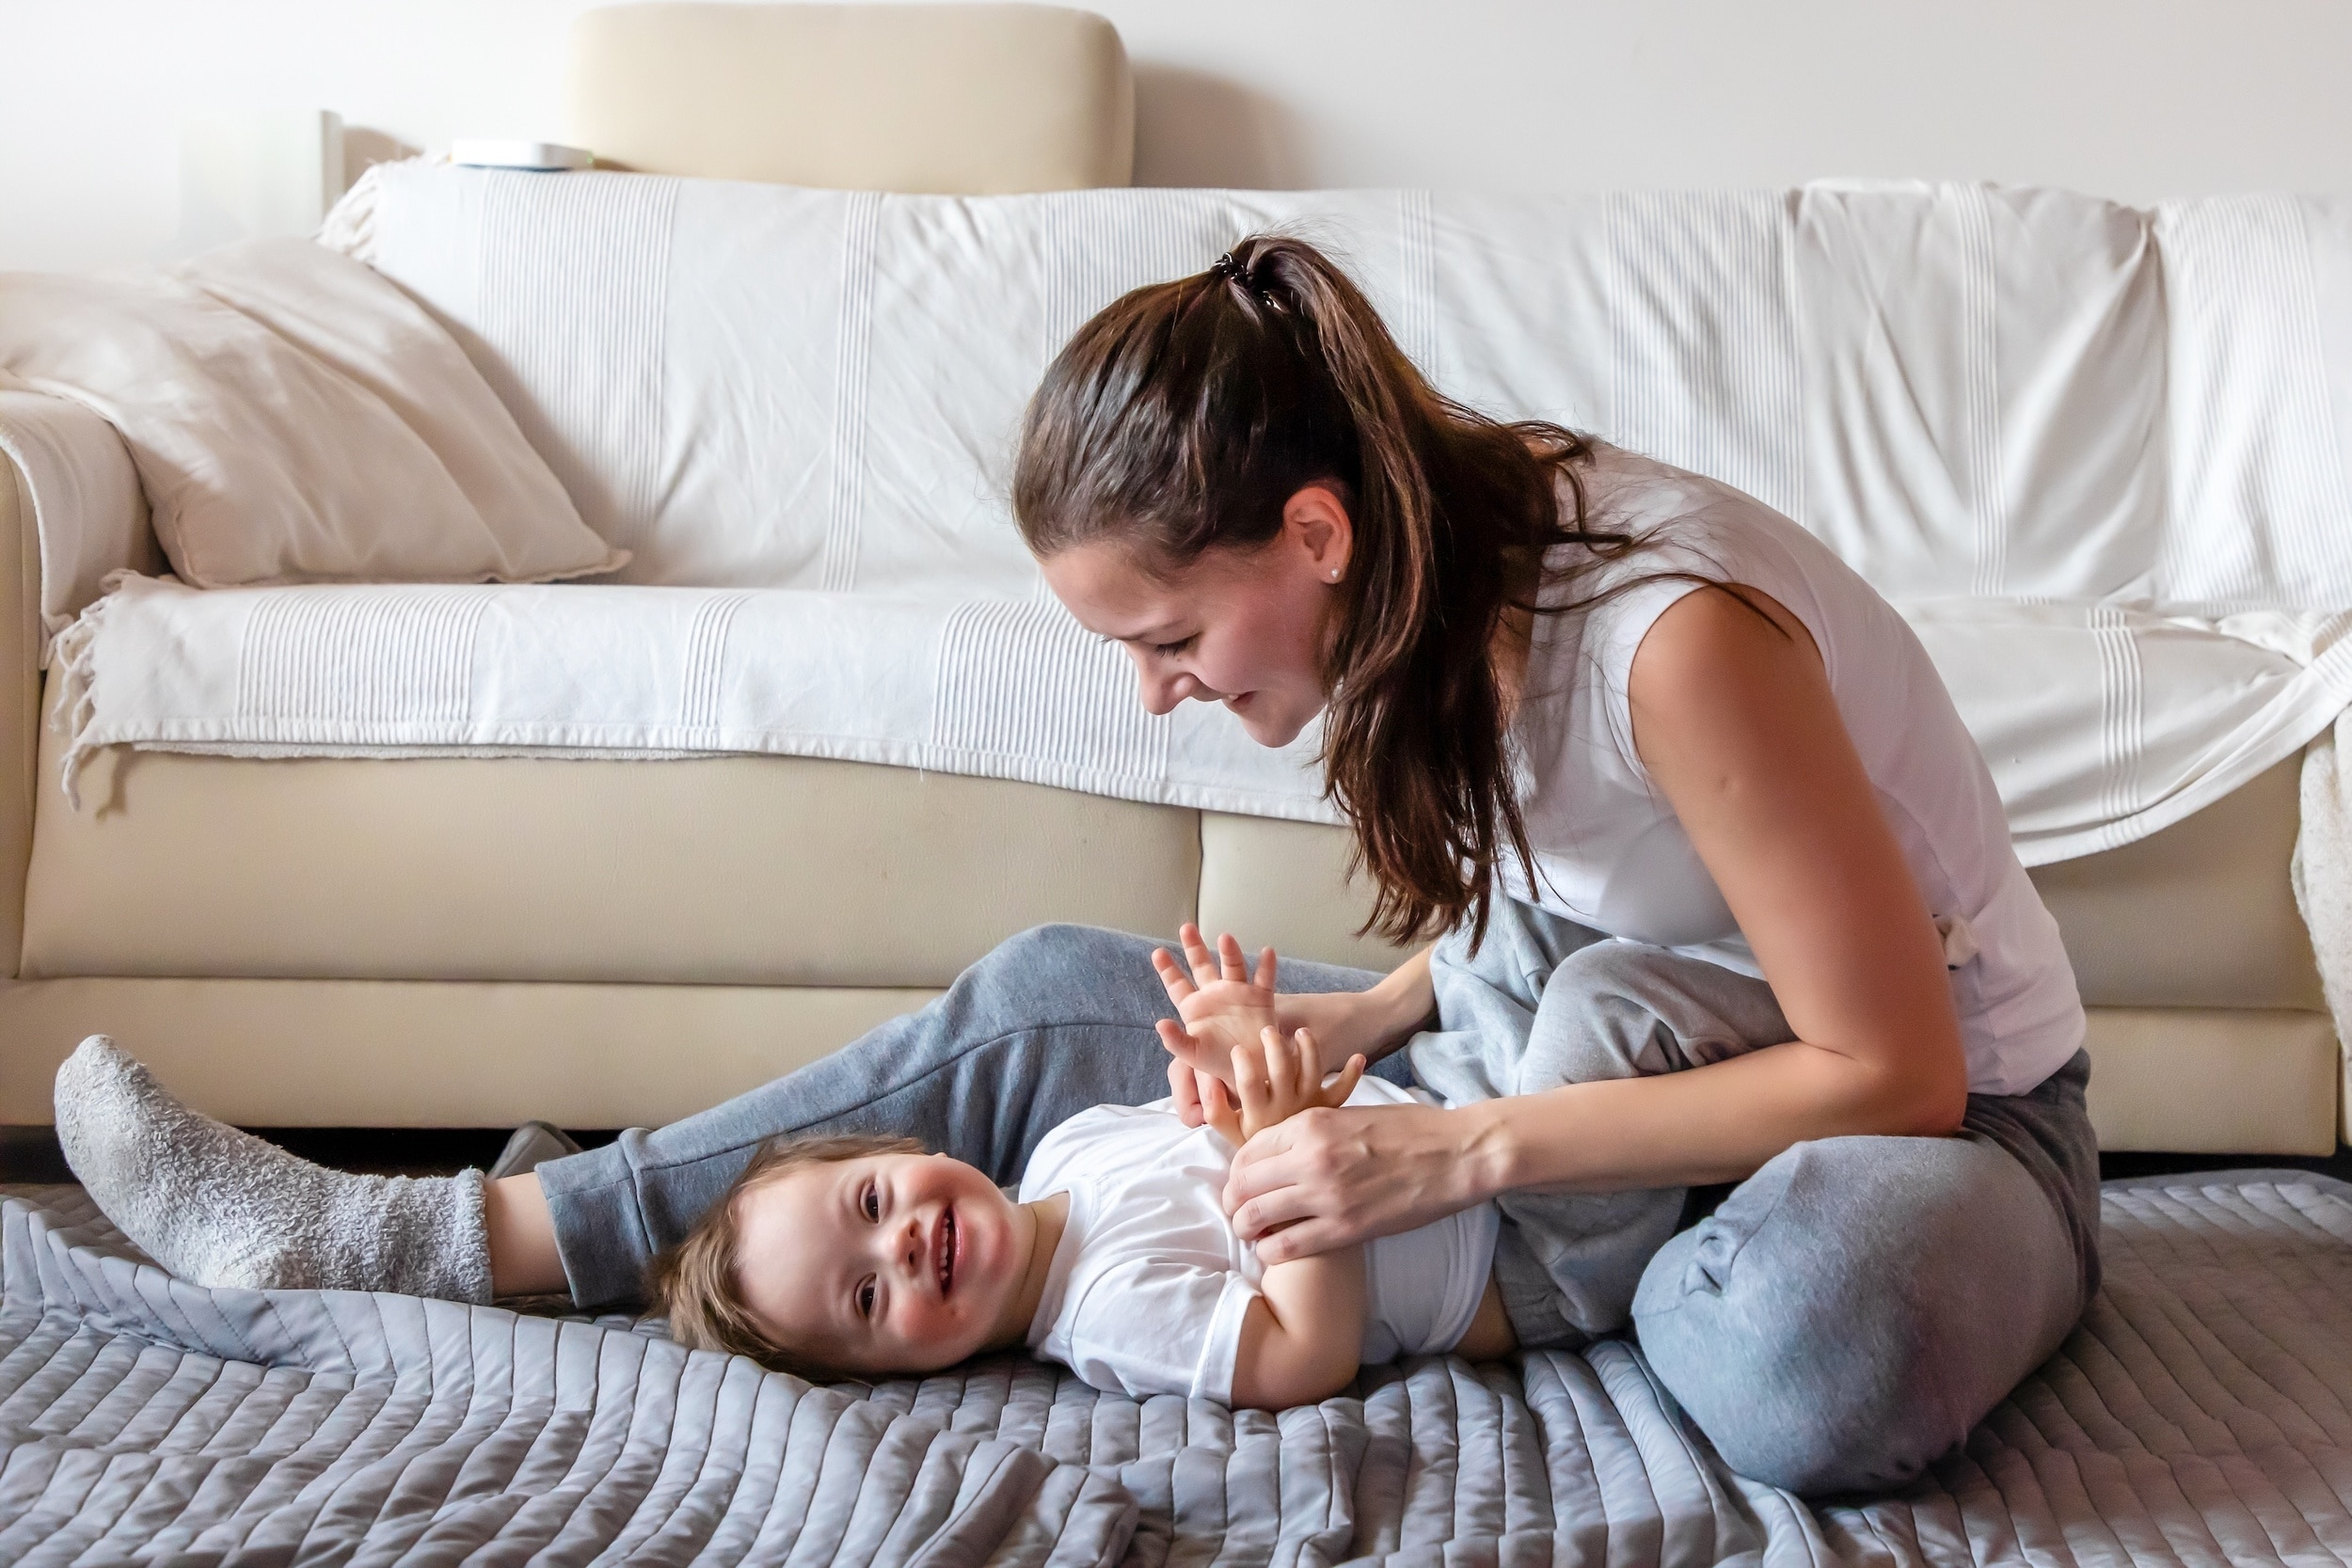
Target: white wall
[{"x": 2134, "y": 99}]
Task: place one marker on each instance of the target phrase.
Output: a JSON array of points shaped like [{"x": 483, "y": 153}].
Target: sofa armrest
[
  {"x": 77, "y": 497},
  {"x": 71, "y": 512},
  {"x": 21, "y": 642}
]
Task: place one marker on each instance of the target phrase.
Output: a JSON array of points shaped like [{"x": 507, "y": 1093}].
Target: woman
[{"x": 1567, "y": 693}]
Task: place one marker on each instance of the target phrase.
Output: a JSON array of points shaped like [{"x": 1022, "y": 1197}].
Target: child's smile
[{"x": 895, "y": 1262}]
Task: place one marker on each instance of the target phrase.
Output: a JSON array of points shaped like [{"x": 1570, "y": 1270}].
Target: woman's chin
[{"x": 1262, "y": 724}]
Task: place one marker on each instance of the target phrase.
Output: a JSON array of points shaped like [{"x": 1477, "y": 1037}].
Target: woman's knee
[
  {"x": 1857, "y": 1306},
  {"x": 1625, "y": 1010}
]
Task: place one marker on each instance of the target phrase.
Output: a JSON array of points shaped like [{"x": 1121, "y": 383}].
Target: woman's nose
[{"x": 1160, "y": 688}]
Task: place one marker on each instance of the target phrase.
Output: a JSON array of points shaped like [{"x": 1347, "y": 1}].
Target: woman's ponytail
[{"x": 1185, "y": 415}]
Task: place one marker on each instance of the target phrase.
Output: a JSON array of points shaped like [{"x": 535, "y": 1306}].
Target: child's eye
[
  {"x": 871, "y": 1202},
  {"x": 865, "y": 1299},
  {"x": 1169, "y": 650}
]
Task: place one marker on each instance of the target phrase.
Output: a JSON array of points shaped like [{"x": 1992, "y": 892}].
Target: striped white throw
[{"x": 2102, "y": 724}]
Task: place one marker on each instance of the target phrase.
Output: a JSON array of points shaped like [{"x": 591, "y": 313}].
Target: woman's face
[{"x": 1245, "y": 626}]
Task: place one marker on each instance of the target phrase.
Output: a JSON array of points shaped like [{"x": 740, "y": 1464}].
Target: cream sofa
[{"x": 629, "y": 942}]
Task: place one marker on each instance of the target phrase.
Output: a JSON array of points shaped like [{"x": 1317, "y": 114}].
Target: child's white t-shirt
[{"x": 1149, "y": 1286}]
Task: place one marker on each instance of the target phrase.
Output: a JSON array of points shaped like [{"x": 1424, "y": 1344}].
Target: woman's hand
[
  {"x": 1221, "y": 1005},
  {"x": 1372, "y": 1022},
  {"x": 1327, "y": 1177}
]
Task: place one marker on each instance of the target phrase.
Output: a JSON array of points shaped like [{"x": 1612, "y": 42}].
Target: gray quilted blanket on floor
[{"x": 2202, "y": 1415}]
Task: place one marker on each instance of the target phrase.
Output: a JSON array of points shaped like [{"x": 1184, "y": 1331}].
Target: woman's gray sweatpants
[
  {"x": 1845, "y": 1314},
  {"x": 1839, "y": 1321}
]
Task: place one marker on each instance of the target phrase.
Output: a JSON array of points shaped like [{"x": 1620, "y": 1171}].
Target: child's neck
[{"x": 1043, "y": 1220}]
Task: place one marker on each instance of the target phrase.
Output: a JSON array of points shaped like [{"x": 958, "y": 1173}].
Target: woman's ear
[{"x": 1315, "y": 523}]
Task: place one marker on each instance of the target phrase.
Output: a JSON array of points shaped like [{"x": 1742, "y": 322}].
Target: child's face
[{"x": 893, "y": 1263}]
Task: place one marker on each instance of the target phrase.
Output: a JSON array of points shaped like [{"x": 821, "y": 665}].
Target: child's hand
[
  {"x": 1221, "y": 1003},
  {"x": 1274, "y": 1079}
]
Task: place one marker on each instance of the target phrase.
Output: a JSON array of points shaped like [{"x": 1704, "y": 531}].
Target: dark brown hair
[
  {"x": 695, "y": 1283},
  {"x": 1185, "y": 417}
]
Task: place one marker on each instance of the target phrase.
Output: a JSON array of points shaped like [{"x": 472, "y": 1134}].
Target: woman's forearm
[
  {"x": 1715, "y": 1123},
  {"x": 1369, "y": 1022}
]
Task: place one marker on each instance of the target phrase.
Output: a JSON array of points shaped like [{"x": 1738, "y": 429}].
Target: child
[{"x": 867, "y": 1257}]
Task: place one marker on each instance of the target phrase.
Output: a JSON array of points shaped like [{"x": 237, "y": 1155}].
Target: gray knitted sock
[{"x": 220, "y": 1207}]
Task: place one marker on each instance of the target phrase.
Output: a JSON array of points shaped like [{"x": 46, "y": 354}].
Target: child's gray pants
[{"x": 1843, "y": 1318}]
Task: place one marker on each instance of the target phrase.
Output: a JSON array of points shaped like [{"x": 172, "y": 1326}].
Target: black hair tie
[{"x": 1234, "y": 271}]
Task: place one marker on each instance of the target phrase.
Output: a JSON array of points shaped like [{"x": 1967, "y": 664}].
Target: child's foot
[{"x": 222, "y": 1208}]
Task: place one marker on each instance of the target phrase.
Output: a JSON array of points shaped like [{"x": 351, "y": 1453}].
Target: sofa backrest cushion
[{"x": 960, "y": 98}]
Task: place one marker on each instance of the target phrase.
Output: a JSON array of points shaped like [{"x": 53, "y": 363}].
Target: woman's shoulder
[
  {"x": 1673, "y": 520},
  {"x": 1671, "y": 533}
]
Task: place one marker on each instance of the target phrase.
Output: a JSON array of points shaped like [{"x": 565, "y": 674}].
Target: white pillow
[{"x": 296, "y": 418}]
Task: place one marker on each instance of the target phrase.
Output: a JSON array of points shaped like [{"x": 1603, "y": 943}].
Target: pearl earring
[{"x": 1335, "y": 574}]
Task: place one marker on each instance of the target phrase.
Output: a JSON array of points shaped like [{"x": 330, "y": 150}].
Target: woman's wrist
[
  {"x": 1358, "y": 1022},
  {"x": 1486, "y": 1155},
  {"x": 1373, "y": 1022},
  {"x": 1393, "y": 1010},
  {"x": 1334, "y": 1017}
]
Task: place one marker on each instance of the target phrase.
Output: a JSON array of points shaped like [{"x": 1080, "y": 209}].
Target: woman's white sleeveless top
[{"x": 1610, "y": 852}]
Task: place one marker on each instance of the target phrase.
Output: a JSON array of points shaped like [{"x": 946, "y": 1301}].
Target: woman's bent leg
[
  {"x": 1567, "y": 1264},
  {"x": 1853, "y": 1308},
  {"x": 1051, "y": 1022}
]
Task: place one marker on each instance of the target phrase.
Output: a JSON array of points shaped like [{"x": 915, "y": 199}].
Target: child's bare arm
[{"x": 1303, "y": 1339}]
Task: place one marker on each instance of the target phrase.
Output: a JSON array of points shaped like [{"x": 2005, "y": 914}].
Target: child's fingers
[
  {"x": 1217, "y": 1111},
  {"x": 1249, "y": 1079},
  {"x": 1310, "y": 1059},
  {"x": 1344, "y": 1084},
  {"x": 1281, "y": 1066},
  {"x": 1172, "y": 977},
  {"x": 1231, "y": 966},
  {"x": 1263, "y": 979}
]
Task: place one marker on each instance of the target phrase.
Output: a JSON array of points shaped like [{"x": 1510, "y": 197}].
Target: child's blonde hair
[{"x": 694, "y": 1282}]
